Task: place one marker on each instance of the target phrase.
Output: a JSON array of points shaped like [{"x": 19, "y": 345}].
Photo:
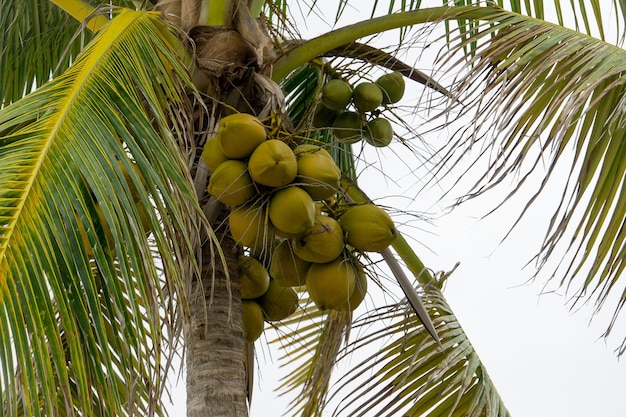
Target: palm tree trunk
[{"x": 216, "y": 383}]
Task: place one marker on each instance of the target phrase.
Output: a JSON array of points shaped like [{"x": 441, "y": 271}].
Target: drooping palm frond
[
  {"x": 550, "y": 96},
  {"x": 89, "y": 164},
  {"x": 310, "y": 341},
  {"x": 410, "y": 375}
]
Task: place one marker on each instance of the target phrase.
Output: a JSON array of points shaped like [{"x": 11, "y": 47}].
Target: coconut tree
[{"x": 113, "y": 254}]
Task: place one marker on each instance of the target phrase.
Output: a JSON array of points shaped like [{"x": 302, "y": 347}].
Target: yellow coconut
[
  {"x": 231, "y": 184},
  {"x": 255, "y": 280},
  {"x": 249, "y": 227},
  {"x": 212, "y": 154},
  {"x": 360, "y": 288},
  {"x": 286, "y": 268},
  {"x": 368, "y": 227},
  {"x": 273, "y": 163},
  {"x": 240, "y": 134},
  {"x": 321, "y": 243},
  {"x": 252, "y": 320},
  {"x": 330, "y": 285},
  {"x": 292, "y": 210},
  {"x": 278, "y": 302},
  {"x": 318, "y": 174}
]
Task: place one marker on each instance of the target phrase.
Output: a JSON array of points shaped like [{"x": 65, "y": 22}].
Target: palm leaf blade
[
  {"x": 84, "y": 153},
  {"x": 558, "y": 91},
  {"x": 411, "y": 376}
]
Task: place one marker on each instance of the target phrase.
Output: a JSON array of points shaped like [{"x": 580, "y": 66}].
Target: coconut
[
  {"x": 252, "y": 321},
  {"x": 249, "y": 228},
  {"x": 212, "y": 154},
  {"x": 231, "y": 184},
  {"x": 318, "y": 174},
  {"x": 392, "y": 86},
  {"x": 336, "y": 94},
  {"x": 278, "y": 302},
  {"x": 324, "y": 117},
  {"x": 348, "y": 127},
  {"x": 286, "y": 268},
  {"x": 292, "y": 210},
  {"x": 360, "y": 288},
  {"x": 273, "y": 163},
  {"x": 321, "y": 243},
  {"x": 378, "y": 132},
  {"x": 240, "y": 134},
  {"x": 330, "y": 285},
  {"x": 368, "y": 227},
  {"x": 367, "y": 96},
  {"x": 255, "y": 280}
]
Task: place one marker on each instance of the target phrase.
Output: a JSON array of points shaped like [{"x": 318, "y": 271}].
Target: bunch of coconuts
[
  {"x": 353, "y": 113},
  {"x": 287, "y": 211}
]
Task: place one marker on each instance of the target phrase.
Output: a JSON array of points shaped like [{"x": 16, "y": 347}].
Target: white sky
[{"x": 544, "y": 360}]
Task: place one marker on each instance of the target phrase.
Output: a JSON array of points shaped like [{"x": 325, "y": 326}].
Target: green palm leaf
[
  {"x": 560, "y": 105},
  {"x": 311, "y": 340},
  {"x": 410, "y": 375},
  {"x": 37, "y": 39},
  {"x": 85, "y": 308}
]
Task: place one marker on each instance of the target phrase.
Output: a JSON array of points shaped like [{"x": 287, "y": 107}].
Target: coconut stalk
[
  {"x": 309, "y": 50},
  {"x": 354, "y": 194},
  {"x": 83, "y": 12}
]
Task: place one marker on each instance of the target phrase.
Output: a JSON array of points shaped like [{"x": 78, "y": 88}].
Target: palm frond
[
  {"x": 411, "y": 375},
  {"x": 89, "y": 164},
  {"x": 37, "y": 40},
  {"x": 552, "y": 96},
  {"x": 311, "y": 340}
]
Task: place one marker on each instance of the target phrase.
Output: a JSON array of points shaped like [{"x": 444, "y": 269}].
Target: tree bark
[{"x": 216, "y": 380}]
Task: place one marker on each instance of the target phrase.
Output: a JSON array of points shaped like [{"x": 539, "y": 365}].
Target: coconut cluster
[
  {"x": 353, "y": 113},
  {"x": 287, "y": 211}
]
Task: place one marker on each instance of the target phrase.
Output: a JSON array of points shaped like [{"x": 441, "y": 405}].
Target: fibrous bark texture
[{"x": 216, "y": 380}]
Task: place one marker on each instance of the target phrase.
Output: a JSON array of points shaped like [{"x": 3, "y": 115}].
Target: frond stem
[{"x": 84, "y": 13}]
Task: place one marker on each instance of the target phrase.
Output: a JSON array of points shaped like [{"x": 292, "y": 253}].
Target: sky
[{"x": 545, "y": 359}]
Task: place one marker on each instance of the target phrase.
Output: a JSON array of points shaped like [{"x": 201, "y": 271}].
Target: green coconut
[
  {"x": 360, "y": 288},
  {"x": 318, "y": 174},
  {"x": 331, "y": 284},
  {"x": 324, "y": 117},
  {"x": 368, "y": 227},
  {"x": 348, "y": 127},
  {"x": 392, "y": 86},
  {"x": 240, "y": 134},
  {"x": 278, "y": 302},
  {"x": 273, "y": 163},
  {"x": 286, "y": 268},
  {"x": 231, "y": 184},
  {"x": 249, "y": 227},
  {"x": 321, "y": 243},
  {"x": 336, "y": 94},
  {"x": 252, "y": 320},
  {"x": 292, "y": 210},
  {"x": 255, "y": 279},
  {"x": 212, "y": 154},
  {"x": 367, "y": 96},
  {"x": 378, "y": 132}
]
